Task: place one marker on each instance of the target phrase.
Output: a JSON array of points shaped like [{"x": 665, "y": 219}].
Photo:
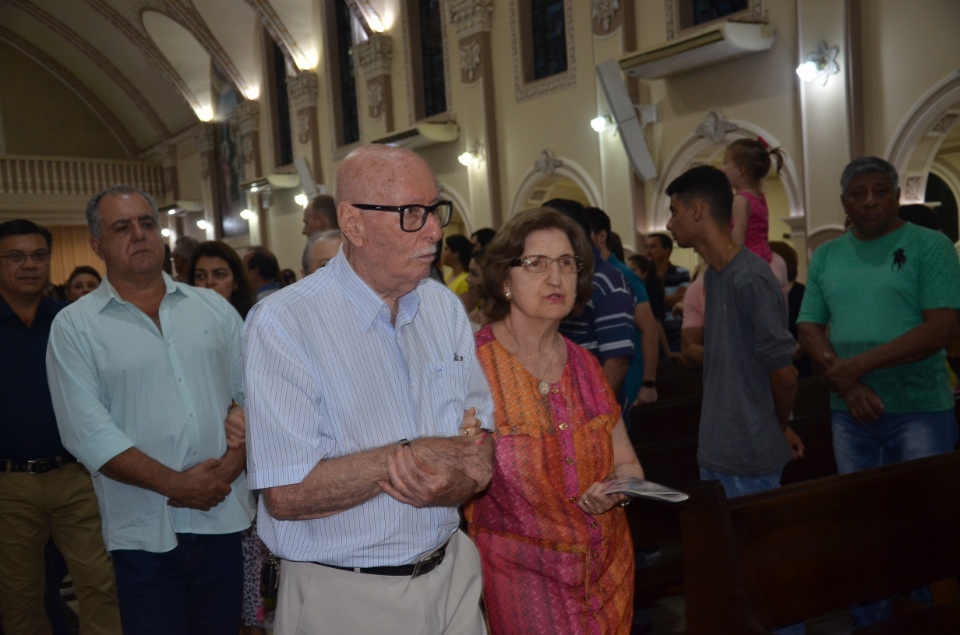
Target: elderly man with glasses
[{"x": 358, "y": 381}]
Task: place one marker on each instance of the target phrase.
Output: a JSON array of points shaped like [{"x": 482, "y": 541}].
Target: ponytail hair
[{"x": 756, "y": 157}]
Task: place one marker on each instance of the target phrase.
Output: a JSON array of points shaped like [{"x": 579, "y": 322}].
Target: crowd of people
[{"x": 433, "y": 454}]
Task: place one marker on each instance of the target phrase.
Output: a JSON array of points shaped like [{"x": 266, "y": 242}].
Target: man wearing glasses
[
  {"x": 358, "y": 380},
  {"x": 44, "y": 493}
]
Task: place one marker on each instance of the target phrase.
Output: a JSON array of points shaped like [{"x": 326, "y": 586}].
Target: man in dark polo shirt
[{"x": 45, "y": 494}]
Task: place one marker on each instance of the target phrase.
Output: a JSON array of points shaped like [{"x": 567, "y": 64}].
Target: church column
[
  {"x": 375, "y": 60},
  {"x": 246, "y": 119},
  {"x": 304, "y": 91},
  {"x": 473, "y": 20},
  {"x": 204, "y": 139}
]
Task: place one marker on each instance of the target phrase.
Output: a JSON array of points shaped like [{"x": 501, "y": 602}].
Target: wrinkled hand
[
  {"x": 841, "y": 373},
  {"x": 865, "y": 405},
  {"x": 647, "y": 395},
  {"x": 236, "y": 427},
  {"x": 439, "y": 472},
  {"x": 594, "y": 501},
  {"x": 200, "y": 487},
  {"x": 796, "y": 444}
]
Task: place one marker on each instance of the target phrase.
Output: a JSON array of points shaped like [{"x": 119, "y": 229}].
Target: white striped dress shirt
[{"x": 327, "y": 375}]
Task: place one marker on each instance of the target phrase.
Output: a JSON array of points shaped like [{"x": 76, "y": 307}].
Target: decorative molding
[
  {"x": 548, "y": 162},
  {"x": 471, "y": 63},
  {"x": 945, "y": 124},
  {"x": 205, "y": 141},
  {"x": 605, "y": 15},
  {"x": 375, "y": 56},
  {"x": 715, "y": 126},
  {"x": 246, "y": 117},
  {"x": 524, "y": 89},
  {"x": 375, "y": 97},
  {"x": 913, "y": 188},
  {"x": 753, "y": 13},
  {"x": 470, "y": 17},
  {"x": 303, "y": 126},
  {"x": 303, "y": 89}
]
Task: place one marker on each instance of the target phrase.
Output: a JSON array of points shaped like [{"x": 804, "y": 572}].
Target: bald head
[
  {"x": 387, "y": 257},
  {"x": 372, "y": 170}
]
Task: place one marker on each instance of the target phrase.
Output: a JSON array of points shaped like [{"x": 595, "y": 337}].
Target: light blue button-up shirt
[
  {"x": 118, "y": 382},
  {"x": 328, "y": 375}
]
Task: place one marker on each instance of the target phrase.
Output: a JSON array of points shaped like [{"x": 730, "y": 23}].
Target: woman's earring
[{"x": 507, "y": 294}]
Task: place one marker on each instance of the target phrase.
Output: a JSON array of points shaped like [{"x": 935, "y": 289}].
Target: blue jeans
[
  {"x": 196, "y": 589},
  {"x": 894, "y": 438},
  {"x": 734, "y": 486}
]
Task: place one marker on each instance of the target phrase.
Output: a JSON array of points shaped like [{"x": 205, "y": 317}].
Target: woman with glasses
[{"x": 555, "y": 548}]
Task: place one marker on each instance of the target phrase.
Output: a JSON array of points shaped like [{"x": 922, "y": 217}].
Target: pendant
[{"x": 543, "y": 387}]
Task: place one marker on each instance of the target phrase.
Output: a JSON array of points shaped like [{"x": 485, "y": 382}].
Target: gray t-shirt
[{"x": 745, "y": 337}]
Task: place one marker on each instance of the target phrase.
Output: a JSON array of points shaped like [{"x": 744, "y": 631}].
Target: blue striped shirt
[
  {"x": 118, "y": 382},
  {"x": 605, "y": 325},
  {"x": 328, "y": 375}
]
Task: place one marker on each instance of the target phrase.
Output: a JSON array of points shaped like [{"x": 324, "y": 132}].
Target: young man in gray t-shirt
[{"x": 749, "y": 381}]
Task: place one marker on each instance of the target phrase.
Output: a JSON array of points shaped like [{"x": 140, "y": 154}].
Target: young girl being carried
[{"x": 746, "y": 163}]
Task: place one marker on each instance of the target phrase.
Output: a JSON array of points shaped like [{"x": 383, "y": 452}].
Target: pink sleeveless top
[{"x": 758, "y": 225}]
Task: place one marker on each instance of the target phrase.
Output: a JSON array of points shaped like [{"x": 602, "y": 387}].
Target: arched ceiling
[{"x": 143, "y": 65}]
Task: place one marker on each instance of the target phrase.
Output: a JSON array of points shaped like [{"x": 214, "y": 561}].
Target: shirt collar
[
  {"x": 365, "y": 301},
  {"x": 106, "y": 292}
]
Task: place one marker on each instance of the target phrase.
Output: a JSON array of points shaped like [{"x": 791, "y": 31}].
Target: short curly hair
[{"x": 508, "y": 245}]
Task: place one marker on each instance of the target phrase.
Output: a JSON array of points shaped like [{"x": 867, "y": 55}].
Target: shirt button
[
  {"x": 573, "y": 499},
  {"x": 180, "y": 379},
  {"x": 594, "y": 525},
  {"x": 564, "y": 426},
  {"x": 554, "y": 390},
  {"x": 191, "y": 415},
  {"x": 569, "y": 460}
]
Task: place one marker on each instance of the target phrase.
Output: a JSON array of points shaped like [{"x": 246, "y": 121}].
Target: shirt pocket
[{"x": 443, "y": 395}]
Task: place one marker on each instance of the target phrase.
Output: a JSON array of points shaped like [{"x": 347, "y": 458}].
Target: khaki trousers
[
  {"x": 317, "y": 599},
  {"x": 58, "y": 505}
]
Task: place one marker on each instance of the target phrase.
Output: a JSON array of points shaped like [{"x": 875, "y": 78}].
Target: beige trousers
[{"x": 316, "y": 599}]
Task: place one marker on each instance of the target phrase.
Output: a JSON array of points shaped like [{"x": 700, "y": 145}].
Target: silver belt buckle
[{"x": 424, "y": 561}]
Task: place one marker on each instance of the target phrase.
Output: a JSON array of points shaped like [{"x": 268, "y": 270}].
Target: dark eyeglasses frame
[{"x": 403, "y": 209}]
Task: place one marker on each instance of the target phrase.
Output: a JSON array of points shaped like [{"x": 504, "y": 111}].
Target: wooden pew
[
  {"x": 759, "y": 562},
  {"x": 664, "y": 436}
]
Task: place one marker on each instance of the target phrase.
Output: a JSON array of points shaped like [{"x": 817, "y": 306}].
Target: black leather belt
[
  {"x": 35, "y": 466},
  {"x": 424, "y": 565}
]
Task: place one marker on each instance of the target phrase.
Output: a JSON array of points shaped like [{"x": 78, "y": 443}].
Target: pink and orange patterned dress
[{"x": 549, "y": 567}]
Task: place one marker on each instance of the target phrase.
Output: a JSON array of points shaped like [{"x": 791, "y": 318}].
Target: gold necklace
[
  {"x": 543, "y": 386},
  {"x": 728, "y": 254}
]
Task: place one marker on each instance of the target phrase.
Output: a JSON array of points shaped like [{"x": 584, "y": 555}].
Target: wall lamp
[
  {"x": 601, "y": 123},
  {"x": 819, "y": 65},
  {"x": 472, "y": 157}
]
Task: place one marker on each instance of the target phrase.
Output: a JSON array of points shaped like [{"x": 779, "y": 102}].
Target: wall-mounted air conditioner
[
  {"x": 421, "y": 135},
  {"x": 719, "y": 43}
]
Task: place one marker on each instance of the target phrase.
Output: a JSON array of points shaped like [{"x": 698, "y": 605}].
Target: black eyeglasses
[
  {"x": 538, "y": 264},
  {"x": 414, "y": 217}
]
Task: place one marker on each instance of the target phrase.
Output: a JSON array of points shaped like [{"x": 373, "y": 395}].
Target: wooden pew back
[{"x": 776, "y": 558}]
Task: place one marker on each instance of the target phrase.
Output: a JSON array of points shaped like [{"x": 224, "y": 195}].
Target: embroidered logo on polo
[{"x": 899, "y": 260}]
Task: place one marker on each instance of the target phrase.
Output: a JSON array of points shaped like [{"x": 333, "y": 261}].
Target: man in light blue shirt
[
  {"x": 142, "y": 373},
  {"x": 358, "y": 379}
]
